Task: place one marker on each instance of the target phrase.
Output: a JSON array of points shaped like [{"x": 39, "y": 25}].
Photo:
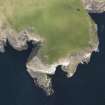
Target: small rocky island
[{"x": 65, "y": 37}]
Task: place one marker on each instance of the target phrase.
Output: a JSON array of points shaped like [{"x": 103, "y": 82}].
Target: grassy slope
[{"x": 63, "y": 23}]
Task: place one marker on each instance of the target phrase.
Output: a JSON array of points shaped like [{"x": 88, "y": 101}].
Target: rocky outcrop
[
  {"x": 19, "y": 42},
  {"x": 42, "y": 80},
  {"x": 94, "y": 6},
  {"x": 3, "y": 40}
]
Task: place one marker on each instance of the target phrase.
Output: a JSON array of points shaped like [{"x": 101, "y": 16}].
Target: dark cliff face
[{"x": 86, "y": 87}]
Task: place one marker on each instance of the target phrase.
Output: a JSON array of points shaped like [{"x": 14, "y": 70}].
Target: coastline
[{"x": 19, "y": 42}]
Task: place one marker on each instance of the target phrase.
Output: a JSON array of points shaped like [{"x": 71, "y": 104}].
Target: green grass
[{"x": 62, "y": 23}]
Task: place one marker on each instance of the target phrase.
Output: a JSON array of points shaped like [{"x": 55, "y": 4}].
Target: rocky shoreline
[
  {"x": 36, "y": 68},
  {"x": 94, "y": 6}
]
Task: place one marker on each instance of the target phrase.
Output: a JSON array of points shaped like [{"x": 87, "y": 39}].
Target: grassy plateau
[{"x": 64, "y": 24}]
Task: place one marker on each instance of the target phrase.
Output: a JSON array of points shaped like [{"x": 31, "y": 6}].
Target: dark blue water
[
  {"x": 86, "y": 87},
  {"x": 16, "y": 86}
]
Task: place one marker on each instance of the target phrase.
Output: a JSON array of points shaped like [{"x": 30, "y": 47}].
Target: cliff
[
  {"x": 94, "y": 6},
  {"x": 35, "y": 66}
]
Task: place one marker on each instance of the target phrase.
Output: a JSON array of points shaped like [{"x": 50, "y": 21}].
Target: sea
[{"x": 85, "y": 87}]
